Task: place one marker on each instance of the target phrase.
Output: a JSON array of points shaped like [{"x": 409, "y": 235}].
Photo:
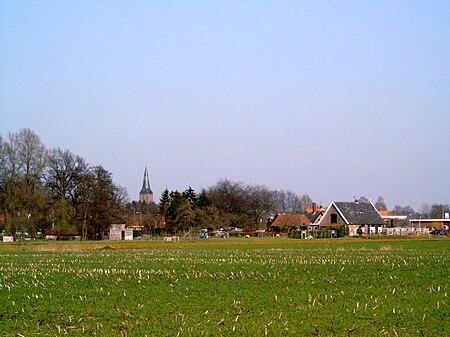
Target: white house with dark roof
[{"x": 354, "y": 215}]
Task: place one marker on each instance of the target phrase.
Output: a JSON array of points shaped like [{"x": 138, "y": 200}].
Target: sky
[{"x": 336, "y": 99}]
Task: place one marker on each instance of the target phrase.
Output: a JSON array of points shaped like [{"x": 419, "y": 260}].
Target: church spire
[{"x": 146, "y": 194}]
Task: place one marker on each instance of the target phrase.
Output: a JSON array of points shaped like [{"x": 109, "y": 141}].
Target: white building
[{"x": 120, "y": 232}]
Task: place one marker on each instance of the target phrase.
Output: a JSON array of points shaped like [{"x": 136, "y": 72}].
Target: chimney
[{"x": 314, "y": 207}]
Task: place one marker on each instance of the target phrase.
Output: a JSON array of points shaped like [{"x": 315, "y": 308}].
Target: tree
[
  {"x": 304, "y": 202},
  {"x": 435, "y": 211},
  {"x": 285, "y": 202},
  {"x": 54, "y": 190},
  {"x": 280, "y": 205},
  {"x": 380, "y": 204},
  {"x": 260, "y": 203},
  {"x": 68, "y": 181},
  {"x": 184, "y": 215},
  {"x": 290, "y": 202},
  {"x": 90, "y": 199},
  {"x": 191, "y": 196},
  {"x": 362, "y": 199},
  {"x": 203, "y": 200},
  {"x": 63, "y": 173},
  {"x": 400, "y": 210},
  {"x": 207, "y": 215},
  {"x": 164, "y": 203},
  {"x": 229, "y": 197},
  {"x": 23, "y": 158},
  {"x": 101, "y": 198}
]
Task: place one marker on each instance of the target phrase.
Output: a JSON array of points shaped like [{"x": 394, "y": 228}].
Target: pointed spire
[{"x": 146, "y": 193}]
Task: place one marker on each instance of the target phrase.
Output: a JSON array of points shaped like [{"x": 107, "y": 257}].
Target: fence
[
  {"x": 404, "y": 231},
  {"x": 314, "y": 234}
]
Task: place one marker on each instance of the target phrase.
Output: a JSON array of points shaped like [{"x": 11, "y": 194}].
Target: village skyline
[
  {"x": 57, "y": 193},
  {"x": 23, "y": 152}
]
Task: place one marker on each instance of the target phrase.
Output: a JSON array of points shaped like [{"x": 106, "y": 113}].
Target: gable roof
[
  {"x": 357, "y": 213},
  {"x": 313, "y": 217},
  {"x": 290, "y": 220}
]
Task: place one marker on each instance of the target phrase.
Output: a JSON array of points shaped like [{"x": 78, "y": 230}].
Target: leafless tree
[
  {"x": 229, "y": 196},
  {"x": 23, "y": 158},
  {"x": 380, "y": 204},
  {"x": 260, "y": 203},
  {"x": 304, "y": 203}
]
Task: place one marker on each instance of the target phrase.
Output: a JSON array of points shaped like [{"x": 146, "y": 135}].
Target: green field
[{"x": 254, "y": 287}]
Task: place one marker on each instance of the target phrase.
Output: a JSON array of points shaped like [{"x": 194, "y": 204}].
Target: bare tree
[
  {"x": 285, "y": 202},
  {"x": 400, "y": 210},
  {"x": 229, "y": 196},
  {"x": 380, "y": 204},
  {"x": 290, "y": 202},
  {"x": 23, "y": 158},
  {"x": 280, "y": 204},
  {"x": 66, "y": 177},
  {"x": 304, "y": 202},
  {"x": 260, "y": 203}
]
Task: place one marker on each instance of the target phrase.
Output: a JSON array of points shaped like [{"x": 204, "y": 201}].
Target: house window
[{"x": 333, "y": 217}]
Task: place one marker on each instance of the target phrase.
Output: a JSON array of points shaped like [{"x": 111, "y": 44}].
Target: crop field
[{"x": 241, "y": 288}]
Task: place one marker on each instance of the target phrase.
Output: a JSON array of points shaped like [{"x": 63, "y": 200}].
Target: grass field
[{"x": 235, "y": 287}]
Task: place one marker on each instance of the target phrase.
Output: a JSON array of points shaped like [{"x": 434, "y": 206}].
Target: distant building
[
  {"x": 146, "y": 194},
  {"x": 354, "y": 215},
  {"x": 288, "y": 222},
  {"x": 120, "y": 232},
  {"x": 430, "y": 223},
  {"x": 314, "y": 214},
  {"x": 393, "y": 220}
]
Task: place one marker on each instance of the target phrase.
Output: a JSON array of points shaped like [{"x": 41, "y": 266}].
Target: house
[
  {"x": 393, "y": 220},
  {"x": 358, "y": 216},
  {"x": 288, "y": 222},
  {"x": 120, "y": 232},
  {"x": 314, "y": 209},
  {"x": 430, "y": 223},
  {"x": 314, "y": 214}
]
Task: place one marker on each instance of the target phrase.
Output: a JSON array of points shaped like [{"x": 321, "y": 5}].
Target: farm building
[
  {"x": 354, "y": 215},
  {"x": 120, "y": 232},
  {"x": 430, "y": 223},
  {"x": 288, "y": 222},
  {"x": 393, "y": 220}
]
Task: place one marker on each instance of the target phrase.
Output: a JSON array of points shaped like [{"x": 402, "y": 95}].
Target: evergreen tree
[
  {"x": 203, "y": 200},
  {"x": 164, "y": 203},
  {"x": 191, "y": 196}
]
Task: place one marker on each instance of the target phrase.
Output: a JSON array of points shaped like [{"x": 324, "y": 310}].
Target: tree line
[
  {"x": 227, "y": 204},
  {"x": 54, "y": 191}
]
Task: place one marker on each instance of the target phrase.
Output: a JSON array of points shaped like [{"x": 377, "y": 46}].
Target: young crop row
[{"x": 395, "y": 289}]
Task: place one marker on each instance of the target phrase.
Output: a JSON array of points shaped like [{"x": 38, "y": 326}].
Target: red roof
[{"x": 290, "y": 220}]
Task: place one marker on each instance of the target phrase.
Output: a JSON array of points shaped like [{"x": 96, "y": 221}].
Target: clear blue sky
[{"x": 331, "y": 98}]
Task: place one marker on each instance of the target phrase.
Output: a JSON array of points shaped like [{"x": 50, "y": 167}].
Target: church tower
[{"x": 146, "y": 194}]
